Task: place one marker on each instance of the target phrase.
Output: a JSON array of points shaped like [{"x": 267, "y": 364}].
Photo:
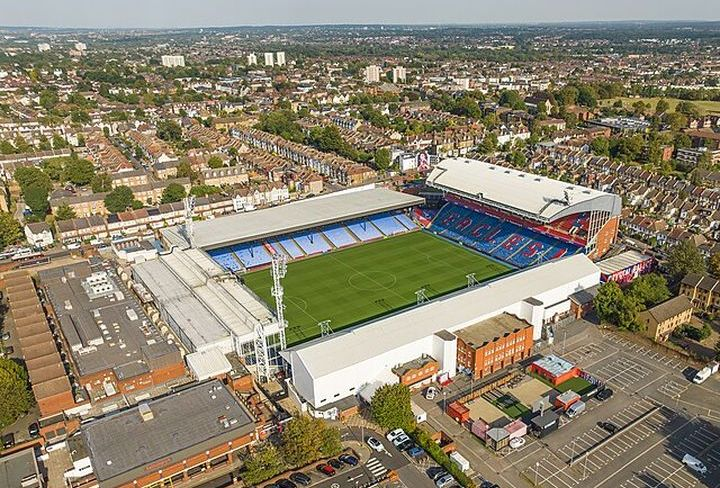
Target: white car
[
  {"x": 375, "y": 444},
  {"x": 401, "y": 439},
  {"x": 445, "y": 481},
  {"x": 393, "y": 434},
  {"x": 695, "y": 464},
  {"x": 431, "y": 393},
  {"x": 517, "y": 442}
]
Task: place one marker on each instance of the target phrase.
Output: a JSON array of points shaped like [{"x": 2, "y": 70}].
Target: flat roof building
[{"x": 20, "y": 469}]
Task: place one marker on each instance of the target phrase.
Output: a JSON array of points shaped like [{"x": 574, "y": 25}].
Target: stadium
[{"x": 363, "y": 260}]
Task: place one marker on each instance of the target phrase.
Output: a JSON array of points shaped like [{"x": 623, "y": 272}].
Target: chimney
[{"x": 145, "y": 412}]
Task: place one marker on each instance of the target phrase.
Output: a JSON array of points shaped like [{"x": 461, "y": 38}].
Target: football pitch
[{"x": 356, "y": 284}]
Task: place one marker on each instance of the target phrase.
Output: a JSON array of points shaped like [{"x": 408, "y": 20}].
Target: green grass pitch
[{"x": 353, "y": 285}]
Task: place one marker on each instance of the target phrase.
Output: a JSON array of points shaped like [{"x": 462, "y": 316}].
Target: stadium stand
[
  {"x": 388, "y": 224},
  {"x": 312, "y": 242},
  {"x": 364, "y": 230},
  {"x": 252, "y": 254},
  {"x": 288, "y": 245},
  {"x": 424, "y": 215},
  {"x": 406, "y": 221},
  {"x": 225, "y": 258},
  {"x": 339, "y": 236},
  {"x": 500, "y": 239}
]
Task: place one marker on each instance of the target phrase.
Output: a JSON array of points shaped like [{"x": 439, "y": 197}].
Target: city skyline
[{"x": 226, "y": 13}]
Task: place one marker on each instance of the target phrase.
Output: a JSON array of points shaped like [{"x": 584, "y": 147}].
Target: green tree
[
  {"x": 58, "y": 142},
  {"x": 649, "y": 290},
  {"x": 383, "y": 159},
  {"x": 31, "y": 176},
  {"x": 600, "y": 146},
  {"x": 684, "y": 258},
  {"x": 262, "y": 464},
  {"x": 391, "y": 408},
  {"x": 215, "y": 162},
  {"x": 48, "y": 99},
  {"x": 606, "y": 300},
  {"x": 714, "y": 264},
  {"x": 172, "y": 193},
  {"x": 15, "y": 396},
  {"x": 79, "y": 171},
  {"x": 101, "y": 183},
  {"x": 64, "y": 212},
  {"x": 511, "y": 99},
  {"x": 36, "y": 197},
  {"x": 662, "y": 106},
  {"x": 10, "y": 230},
  {"x": 282, "y": 123},
  {"x": 54, "y": 168},
  {"x": 119, "y": 199},
  {"x": 169, "y": 130},
  {"x": 204, "y": 190},
  {"x": 305, "y": 439},
  {"x": 185, "y": 170}
]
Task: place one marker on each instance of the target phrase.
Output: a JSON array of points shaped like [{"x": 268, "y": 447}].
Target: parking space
[
  {"x": 623, "y": 372},
  {"x": 585, "y": 353},
  {"x": 667, "y": 359},
  {"x": 664, "y": 471},
  {"x": 672, "y": 388}
]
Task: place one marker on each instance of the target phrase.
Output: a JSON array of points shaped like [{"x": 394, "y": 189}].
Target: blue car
[{"x": 349, "y": 460}]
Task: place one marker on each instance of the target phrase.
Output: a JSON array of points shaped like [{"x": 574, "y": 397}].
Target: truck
[
  {"x": 575, "y": 409},
  {"x": 706, "y": 372},
  {"x": 460, "y": 461}
]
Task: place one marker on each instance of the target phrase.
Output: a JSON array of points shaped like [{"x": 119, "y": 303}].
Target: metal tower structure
[
  {"x": 420, "y": 296},
  {"x": 471, "y": 280},
  {"x": 279, "y": 270},
  {"x": 189, "y": 204},
  {"x": 325, "y": 329},
  {"x": 262, "y": 354}
]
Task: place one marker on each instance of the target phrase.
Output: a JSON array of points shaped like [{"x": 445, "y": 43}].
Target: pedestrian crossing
[{"x": 375, "y": 467}]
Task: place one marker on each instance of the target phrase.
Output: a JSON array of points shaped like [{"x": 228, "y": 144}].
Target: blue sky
[{"x": 197, "y": 13}]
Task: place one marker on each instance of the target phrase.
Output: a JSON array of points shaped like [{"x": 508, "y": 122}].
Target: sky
[{"x": 208, "y": 13}]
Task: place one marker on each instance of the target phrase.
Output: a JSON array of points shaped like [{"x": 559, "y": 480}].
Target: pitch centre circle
[{"x": 372, "y": 280}]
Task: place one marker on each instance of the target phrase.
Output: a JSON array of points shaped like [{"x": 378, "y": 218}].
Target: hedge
[{"x": 424, "y": 440}]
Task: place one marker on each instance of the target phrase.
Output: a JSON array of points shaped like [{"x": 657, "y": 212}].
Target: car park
[
  {"x": 517, "y": 442},
  {"x": 326, "y": 469},
  {"x": 375, "y": 444},
  {"x": 349, "y": 460},
  {"x": 604, "y": 394},
  {"x": 695, "y": 464},
  {"x": 301, "y": 479},
  {"x": 608, "y": 426}
]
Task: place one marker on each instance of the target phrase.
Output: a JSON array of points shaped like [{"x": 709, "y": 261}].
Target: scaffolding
[{"x": 279, "y": 270}]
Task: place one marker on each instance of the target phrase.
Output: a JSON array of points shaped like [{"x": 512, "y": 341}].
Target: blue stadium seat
[
  {"x": 339, "y": 236},
  {"x": 312, "y": 242},
  {"x": 406, "y": 221},
  {"x": 364, "y": 230},
  {"x": 388, "y": 224},
  {"x": 252, "y": 255},
  {"x": 225, "y": 258},
  {"x": 289, "y": 246}
]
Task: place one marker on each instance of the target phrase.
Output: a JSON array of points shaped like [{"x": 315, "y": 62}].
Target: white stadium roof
[
  {"x": 515, "y": 191},
  {"x": 296, "y": 216},
  {"x": 356, "y": 345}
]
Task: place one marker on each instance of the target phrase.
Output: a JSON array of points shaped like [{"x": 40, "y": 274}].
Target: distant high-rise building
[
  {"x": 171, "y": 61},
  {"x": 269, "y": 59},
  {"x": 280, "y": 58},
  {"x": 372, "y": 74},
  {"x": 43, "y": 46},
  {"x": 251, "y": 59},
  {"x": 399, "y": 74}
]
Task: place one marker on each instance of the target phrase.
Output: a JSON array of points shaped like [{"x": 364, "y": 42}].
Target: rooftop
[
  {"x": 622, "y": 261},
  {"x": 19, "y": 469},
  {"x": 531, "y": 195},
  {"x": 296, "y": 216},
  {"x": 164, "y": 431},
  {"x": 554, "y": 365},
  {"x": 491, "y": 329}
]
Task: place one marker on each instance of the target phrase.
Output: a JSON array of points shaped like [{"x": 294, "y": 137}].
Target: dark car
[
  {"x": 436, "y": 473},
  {"x": 326, "y": 469},
  {"x": 34, "y": 429},
  {"x": 604, "y": 394},
  {"x": 404, "y": 446},
  {"x": 336, "y": 464},
  {"x": 283, "y": 483},
  {"x": 609, "y": 426},
  {"x": 349, "y": 460},
  {"x": 8, "y": 441},
  {"x": 301, "y": 479}
]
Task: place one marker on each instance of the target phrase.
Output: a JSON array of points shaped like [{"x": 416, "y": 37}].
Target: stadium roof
[
  {"x": 526, "y": 194},
  {"x": 355, "y": 345},
  {"x": 296, "y": 216}
]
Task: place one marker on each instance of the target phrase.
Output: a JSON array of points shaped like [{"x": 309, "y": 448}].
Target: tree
[
  {"x": 204, "y": 190},
  {"x": 684, "y": 258},
  {"x": 79, "y": 171},
  {"x": 383, "y": 159},
  {"x": 391, "y": 409},
  {"x": 58, "y": 142},
  {"x": 36, "y": 197},
  {"x": 10, "y": 230},
  {"x": 606, "y": 300},
  {"x": 511, "y": 99},
  {"x": 172, "y": 193},
  {"x": 65, "y": 212},
  {"x": 169, "y": 130},
  {"x": 15, "y": 397},
  {"x": 54, "y": 168},
  {"x": 714, "y": 264},
  {"x": 263, "y": 464},
  {"x": 31, "y": 176},
  {"x": 215, "y": 162},
  {"x": 600, "y": 146},
  {"x": 185, "y": 170},
  {"x": 649, "y": 290},
  {"x": 119, "y": 199},
  {"x": 305, "y": 439},
  {"x": 489, "y": 143},
  {"x": 662, "y": 106},
  {"x": 282, "y": 123},
  {"x": 101, "y": 183}
]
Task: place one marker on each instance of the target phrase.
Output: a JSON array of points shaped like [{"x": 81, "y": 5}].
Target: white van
[
  {"x": 695, "y": 464},
  {"x": 576, "y": 409}
]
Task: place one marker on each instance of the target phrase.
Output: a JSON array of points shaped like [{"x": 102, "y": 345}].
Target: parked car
[
  {"x": 609, "y": 426},
  {"x": 435, "y": 472},
  {"x": 445, "y": 481},
  {"x": 400, "y": 440},
  {"x": 8, "y": 441},
  {"x": 34, "y": 429},
  {"x": 431, "y": 393},
  {"x": 349, "y": 460},
  {"x": 5, "y": 336},
  {"x": 336, "y": 464},
  {"x": 394, "y": 434},
  {"x": 283, "y": 483},
  {"x": 375, "y": 444},
  {"x": 604, "y": 394},
  {"x": 326, "y": 469},
  {"x": 517, "y": 442},
  {"x": 301, "y": 479},
  {"x": 416, "y": 452},
  {"x": 695, "y": 464}
]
